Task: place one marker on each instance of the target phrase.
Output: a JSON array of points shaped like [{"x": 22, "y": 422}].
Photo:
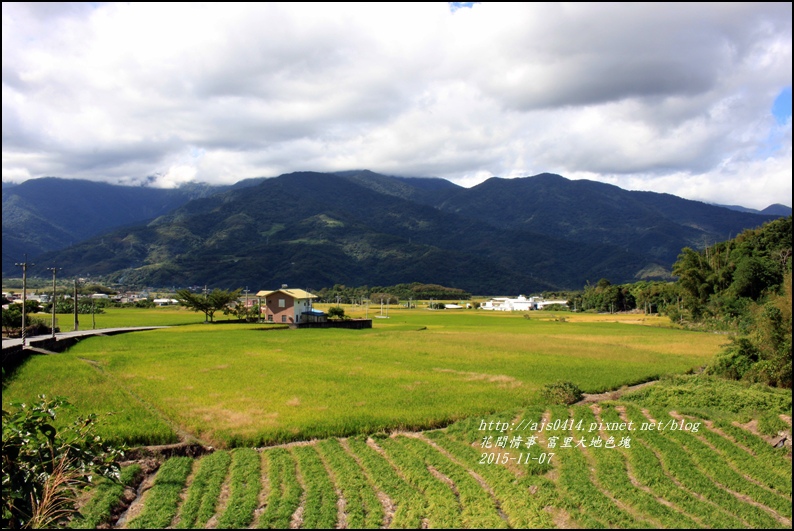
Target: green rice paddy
[{"x": 231, "y": 385}]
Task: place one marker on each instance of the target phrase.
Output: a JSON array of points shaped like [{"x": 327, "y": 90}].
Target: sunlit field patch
[{"x": 243, "y": 385}]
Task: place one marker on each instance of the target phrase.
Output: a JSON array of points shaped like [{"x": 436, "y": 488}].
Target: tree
[{"x": 207, "y": 303}]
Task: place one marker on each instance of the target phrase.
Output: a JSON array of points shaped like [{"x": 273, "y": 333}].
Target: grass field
[
  {"x": 121, "y": 317},
  {"x": 232, "y": 385}
]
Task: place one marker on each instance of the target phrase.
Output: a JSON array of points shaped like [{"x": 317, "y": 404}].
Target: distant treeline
[{"x": 390, "y": 294}]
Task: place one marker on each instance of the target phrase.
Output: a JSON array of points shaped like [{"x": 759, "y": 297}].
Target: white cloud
[{"x": 670, "y": 97}]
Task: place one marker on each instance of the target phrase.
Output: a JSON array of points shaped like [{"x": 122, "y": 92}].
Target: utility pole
[
  {"x": 76, "y": 320},
  {"x": 246, "y": 303},
  {"x": 24, "y": 266},
  {"x": 53, "y": 269},
  {"x": 206, "y": 315}
]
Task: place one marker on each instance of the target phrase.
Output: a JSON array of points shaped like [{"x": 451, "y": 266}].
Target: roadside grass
[{"x": 239, "y": 385}]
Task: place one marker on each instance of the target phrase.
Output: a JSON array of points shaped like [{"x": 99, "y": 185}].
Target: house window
[
  {"x": 282, "y": 303},
  {"x": 283, "y": 318}
]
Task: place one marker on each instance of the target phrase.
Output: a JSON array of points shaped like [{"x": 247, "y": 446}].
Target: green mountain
[
  {"x": 652, "y": 224},
  {"x": 49, "y": 214},
  {"x": 314, "y": 230}
]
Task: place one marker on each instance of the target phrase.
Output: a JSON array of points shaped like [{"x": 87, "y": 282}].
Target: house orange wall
[{"x": 277, "y": 314}]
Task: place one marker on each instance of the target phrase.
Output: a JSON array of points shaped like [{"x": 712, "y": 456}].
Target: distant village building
[
  {"x": 165, "y": 302},
  {"x": 519, "y": 304}
]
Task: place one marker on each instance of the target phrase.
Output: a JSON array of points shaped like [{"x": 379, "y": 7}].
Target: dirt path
[{"x": 612, "y": 395}]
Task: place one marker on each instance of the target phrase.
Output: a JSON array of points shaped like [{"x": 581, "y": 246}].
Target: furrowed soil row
[
  {"x": 478, "y": 475},
  {"x": 362, "y": 508},
  {"x": 204, "y": 490},
  {"x": 285, "y": 491},
  {"x": 612, "y": 470},
  {"x": 686, "y": 470},
  {"x": 579, "y": 490},
  {"x": 320, "y": 504},
  {"x": 443, "y": 510}
]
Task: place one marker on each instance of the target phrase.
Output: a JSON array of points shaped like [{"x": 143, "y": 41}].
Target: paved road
[{"x": 31, "y": 341}]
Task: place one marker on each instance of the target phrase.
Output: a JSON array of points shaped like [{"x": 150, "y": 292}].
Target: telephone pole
[
  {"x": 24, "y": 266},
  {"x": 76, "y": 320},
  {"x": 52, "y": 325}
]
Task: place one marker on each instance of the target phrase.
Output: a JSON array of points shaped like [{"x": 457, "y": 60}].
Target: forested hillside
[{"x": 316, "y": 230}]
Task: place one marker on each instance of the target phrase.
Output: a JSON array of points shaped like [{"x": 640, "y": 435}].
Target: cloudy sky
[{"x": 689, "y": 99}]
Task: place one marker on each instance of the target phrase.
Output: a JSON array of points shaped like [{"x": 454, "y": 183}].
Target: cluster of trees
[
  {"x": 744, "y": 284},
  {"x": 650, "y": 296}
]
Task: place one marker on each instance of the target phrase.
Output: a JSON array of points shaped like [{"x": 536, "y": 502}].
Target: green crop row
[
  {"x": 612, "y": 471},
  {"x": 245, "y": 483},
  {"x": 716, "y": 467},
  {"x": 162, "y": 500},
  {"x": 362, "y": 508},
  {"x": 285, "y": 491},
  {"x": 319, "y": 509},
  {"x": 686, "y": 470},
  {"x": 204, "y": 490},
  {"x": 521, "y": 497},
  {"x": 104, "y": 498},
  {"x": 409, "y": 503},
  {"x": 748, "y": 464},
  {"x": 442, "y": 506},
  {"x": 773, "y": 458},
  {"x": 478, "y": 508},
  {"x": 657, "y": 479},
  {"x": 586, "y": 501},
  {"x": 650, "y": 471}
]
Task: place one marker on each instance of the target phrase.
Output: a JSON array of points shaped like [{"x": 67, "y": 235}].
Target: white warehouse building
[{"x": 519, "y": 304}]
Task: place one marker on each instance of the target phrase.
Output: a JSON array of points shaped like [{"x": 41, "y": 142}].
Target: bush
[
  {"x": 563, "y": 393},
  {"x": 336, "y": 312},
  {"x": 43, "y": 466}
]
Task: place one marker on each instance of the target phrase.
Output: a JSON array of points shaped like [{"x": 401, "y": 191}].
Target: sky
[{"x": 691, "y": 99}]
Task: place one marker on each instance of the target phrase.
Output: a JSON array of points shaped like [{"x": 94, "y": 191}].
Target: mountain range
[{"x": 314, "y": 230}]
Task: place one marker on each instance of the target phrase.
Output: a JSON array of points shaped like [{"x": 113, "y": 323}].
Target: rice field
[
  {"x": 247, "y": 385},
  {"x": 429, "y": 419}
]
